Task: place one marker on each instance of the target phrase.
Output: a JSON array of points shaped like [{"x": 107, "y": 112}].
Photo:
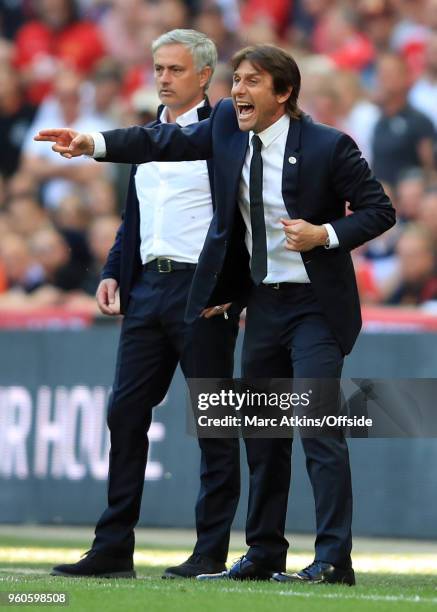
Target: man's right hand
[
  {"x": 68, "y": 143},
  {"x": 107, "y": 297}
]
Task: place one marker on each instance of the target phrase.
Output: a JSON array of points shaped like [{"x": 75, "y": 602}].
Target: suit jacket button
[{"x": 292, "y": 160}]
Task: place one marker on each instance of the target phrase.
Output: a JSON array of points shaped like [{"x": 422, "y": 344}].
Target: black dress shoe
[
  {"x": 95, "y": 564},
  {"x": 193, "y": 566},
  {"x": 318, "y": 572},
  {"x": 243, "y": 569}
]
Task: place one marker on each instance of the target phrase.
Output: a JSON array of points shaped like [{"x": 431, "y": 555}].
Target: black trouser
[
  {"x": 287, "y": 336},
  {"x": 154, "y": 338}
]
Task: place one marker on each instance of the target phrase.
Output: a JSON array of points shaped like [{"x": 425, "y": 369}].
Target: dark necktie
[{"x": 258, "y": 264}]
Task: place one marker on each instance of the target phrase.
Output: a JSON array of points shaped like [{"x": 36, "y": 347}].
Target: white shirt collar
[
  {"x": 186, "y": 118},
  {"x": 271, "y": 133}
]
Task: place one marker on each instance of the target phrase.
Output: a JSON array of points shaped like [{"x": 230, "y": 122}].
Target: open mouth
[{"x": 245, "y": 109}]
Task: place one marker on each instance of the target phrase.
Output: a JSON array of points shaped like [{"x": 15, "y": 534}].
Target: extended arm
[
  {"x": 165, "y": 142},
  {"x": 137, "y": 145}
]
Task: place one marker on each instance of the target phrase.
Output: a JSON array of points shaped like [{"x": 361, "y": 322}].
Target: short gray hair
[{"x": 201, "y": 47}]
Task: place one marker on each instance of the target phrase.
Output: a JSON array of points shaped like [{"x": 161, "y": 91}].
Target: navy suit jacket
[
  {"x": 124, "y": 260},
  {"x": 328, "y": 173}
]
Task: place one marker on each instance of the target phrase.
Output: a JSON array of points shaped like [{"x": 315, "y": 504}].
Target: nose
[
  {"x": 165, "y": 76},
  {"x": 238, "y": 88}
]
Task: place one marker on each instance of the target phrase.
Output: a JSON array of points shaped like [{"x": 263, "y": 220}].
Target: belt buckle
[
  {"x": 164, "y": 268},
  {"x": 276, "y": 286}
]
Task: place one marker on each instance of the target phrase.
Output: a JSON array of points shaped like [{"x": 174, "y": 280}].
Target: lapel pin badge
[{"x": 292, "y": 160}]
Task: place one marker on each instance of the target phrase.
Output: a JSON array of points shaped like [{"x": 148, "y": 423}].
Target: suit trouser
[
  {"x": 154, "y": 338},
  {"x": 287, "y": 336}
]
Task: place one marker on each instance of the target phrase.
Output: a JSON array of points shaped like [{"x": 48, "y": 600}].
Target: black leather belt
[{"x": 164, "y": 265}]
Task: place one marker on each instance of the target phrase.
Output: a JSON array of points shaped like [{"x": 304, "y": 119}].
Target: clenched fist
[{"x": 303, "y": 236}]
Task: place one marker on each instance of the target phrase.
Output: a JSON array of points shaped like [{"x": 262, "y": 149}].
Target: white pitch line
[
  {"x": 394, "y": 598},
  {"x": 313, "y": 594},
  {"x": 21, "y": 570}
]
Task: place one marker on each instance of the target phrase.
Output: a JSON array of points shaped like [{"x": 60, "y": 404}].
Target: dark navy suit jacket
[
  {"x": 124, "y": 260},
  {"x": 328, "y": 173}
]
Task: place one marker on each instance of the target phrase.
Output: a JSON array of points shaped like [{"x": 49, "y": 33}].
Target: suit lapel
[{"x": 291, "y": 168}]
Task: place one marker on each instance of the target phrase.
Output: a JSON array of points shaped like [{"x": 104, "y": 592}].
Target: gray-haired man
[{"x": 168, "y": 211}]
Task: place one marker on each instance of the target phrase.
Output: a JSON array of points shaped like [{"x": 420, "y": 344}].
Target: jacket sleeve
[
  {"x": 353, "y": 181},
  {"x": 164, "y": 142},
  {"x": 111, "y": 269}
]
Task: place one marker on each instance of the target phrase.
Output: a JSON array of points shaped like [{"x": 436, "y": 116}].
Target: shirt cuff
[
  {"x": 333, "y": 238},
  {"x": 99, "y": 145}
]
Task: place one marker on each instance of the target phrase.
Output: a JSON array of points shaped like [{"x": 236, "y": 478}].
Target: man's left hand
[{"x": 303, "y": 236}]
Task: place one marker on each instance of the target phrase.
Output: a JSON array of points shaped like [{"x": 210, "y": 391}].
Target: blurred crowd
[{"x": 369, "y": 67}]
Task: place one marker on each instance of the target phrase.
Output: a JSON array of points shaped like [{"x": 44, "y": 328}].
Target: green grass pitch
[{"x": 385, "y": 582}]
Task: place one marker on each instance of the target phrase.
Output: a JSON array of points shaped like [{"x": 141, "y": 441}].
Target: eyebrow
[
  {"x": 248, "y": 74},
  {"x": 171, "y": 67}
]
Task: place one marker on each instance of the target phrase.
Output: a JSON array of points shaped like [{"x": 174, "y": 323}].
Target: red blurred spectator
[
  {"x": 378, "y": 18},
  {"x": 3, "y": 280},
  {"x": 277, "y": 12},
  {"x": 340, "y": 39},
  {"x": 410, "y": 33},
  {"x": 121, "y": 28},
  {"x": 57, "y": 37},
  {"x": 163, "y": 16}
]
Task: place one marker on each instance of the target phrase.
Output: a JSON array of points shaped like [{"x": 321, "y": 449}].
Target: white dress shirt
[
  {"x": 175, "y": 202},
  {"x": 282, "y": 265}
]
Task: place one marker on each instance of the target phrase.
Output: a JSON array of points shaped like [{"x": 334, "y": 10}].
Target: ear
[
  {"x": 282, "y": 98},
  {"x": 204, "y": 75}
]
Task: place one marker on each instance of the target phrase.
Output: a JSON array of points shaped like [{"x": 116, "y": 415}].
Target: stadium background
[{"x": 369, "y": 67}]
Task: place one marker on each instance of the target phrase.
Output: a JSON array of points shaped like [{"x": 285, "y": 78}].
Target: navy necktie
[{"x": 258, "y": 264}]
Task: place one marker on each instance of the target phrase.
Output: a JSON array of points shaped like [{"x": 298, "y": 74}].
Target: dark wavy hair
[{"x": 283, "y": 68}]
